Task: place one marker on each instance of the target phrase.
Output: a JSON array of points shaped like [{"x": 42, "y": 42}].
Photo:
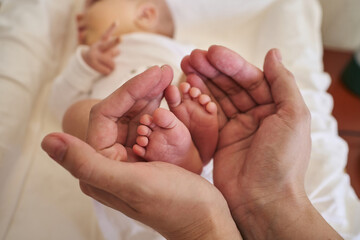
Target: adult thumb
[
  {"x": 282, "y": 82},
  {"x": 80, "y": 159}
]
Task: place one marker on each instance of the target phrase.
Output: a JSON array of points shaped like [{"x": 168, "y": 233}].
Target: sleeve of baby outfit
[{"x": 73, "y": 84}]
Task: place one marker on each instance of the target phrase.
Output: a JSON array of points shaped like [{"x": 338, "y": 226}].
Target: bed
[{"x": 39, "y": 200}]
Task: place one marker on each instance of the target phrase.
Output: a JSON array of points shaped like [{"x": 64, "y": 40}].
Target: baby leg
[
  {"x": 163, "y": 137},
  {"x": 199, "y": 114}
]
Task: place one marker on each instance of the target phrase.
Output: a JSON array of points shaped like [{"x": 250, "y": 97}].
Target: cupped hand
[
  {"x": 175, "y": 202},
  {"x": 264, "y": 140}
]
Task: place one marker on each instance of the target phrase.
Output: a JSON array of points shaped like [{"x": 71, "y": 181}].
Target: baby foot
[
  {"x": 199, "y": 114},
  {"x": 163, "y": 137}
]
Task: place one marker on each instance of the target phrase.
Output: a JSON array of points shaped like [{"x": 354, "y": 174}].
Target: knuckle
[
  {"x": 254, "y": 85},
  {"x": 300, "y": 113}
]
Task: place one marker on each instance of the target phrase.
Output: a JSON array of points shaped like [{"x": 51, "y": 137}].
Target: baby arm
[
  {"x": 76, "y": 118},
  {"x": 84, "y": 68},
  {"x": 73, "y": 84}
]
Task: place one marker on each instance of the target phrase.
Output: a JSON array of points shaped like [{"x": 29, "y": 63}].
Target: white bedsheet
[{"x": 39, "y": 200}]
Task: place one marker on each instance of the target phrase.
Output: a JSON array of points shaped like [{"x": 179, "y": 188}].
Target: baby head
[{"x": 130, "y": 15}]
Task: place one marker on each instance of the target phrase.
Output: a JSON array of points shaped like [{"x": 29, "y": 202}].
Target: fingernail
[
  {"x": 55, "y": 148},
  {"x": 278, "y": 55}
]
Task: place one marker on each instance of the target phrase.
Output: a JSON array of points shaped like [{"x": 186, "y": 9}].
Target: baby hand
[{"x": 100, "y": 55}]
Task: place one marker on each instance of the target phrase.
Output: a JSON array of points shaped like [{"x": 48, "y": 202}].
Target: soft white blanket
[{"x": 39, "y": 200}]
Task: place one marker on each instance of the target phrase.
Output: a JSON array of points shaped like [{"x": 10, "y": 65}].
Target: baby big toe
[
  {"x": 211, "y": 108},
  {"x": 164, "y": 118}
]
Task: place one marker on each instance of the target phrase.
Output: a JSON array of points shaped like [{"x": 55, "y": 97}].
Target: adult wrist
[
  {"x": 217, "y": 223},
  {"x": 282, "y": 215},
  {"x": 264, "y": 217}
]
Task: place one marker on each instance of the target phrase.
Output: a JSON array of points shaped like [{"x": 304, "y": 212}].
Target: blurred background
[{"x": 341, "y": 39}]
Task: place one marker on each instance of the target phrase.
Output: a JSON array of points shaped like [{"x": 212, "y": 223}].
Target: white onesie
[{"x": 138, "y": 51}]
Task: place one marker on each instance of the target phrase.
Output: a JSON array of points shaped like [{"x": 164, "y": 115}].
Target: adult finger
[
  {"x": 196, "y": 81},
  {"x": 91, "y": 167},
  {"x": 81, "y": 160},
  {"x": 223, "y": 100},
  {"x": 245, "y": 74},
  {"x": 114, "y": 183},
  {"x": 234, "y": 93},
  {"x": 186, "y": 66},
  {"x": 197, "y": 63},
  {"x": 232, "y": 89},
  {"x": 284, "y": 90}
]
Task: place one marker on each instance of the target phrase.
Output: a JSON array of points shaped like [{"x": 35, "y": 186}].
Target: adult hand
[
  {"x": 175, "y": 202},
  {"x": 263, "y": 119},
  {"x": 264, "y": 142}
]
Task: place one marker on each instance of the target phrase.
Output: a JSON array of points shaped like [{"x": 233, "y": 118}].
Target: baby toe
[
  {"x": 173, "y": 96},
  {"x": 147, "y": 120},
  {"x": 142, "y": 141},
  {"x": 139, "y": 151},
  {"x": 211, "y": 108},
  {"x": 184, "y": 87},
  {"x": 204, "y": 99},
  {"x": 194, "y": 92},
  {"x": 144, "y": 130}
]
